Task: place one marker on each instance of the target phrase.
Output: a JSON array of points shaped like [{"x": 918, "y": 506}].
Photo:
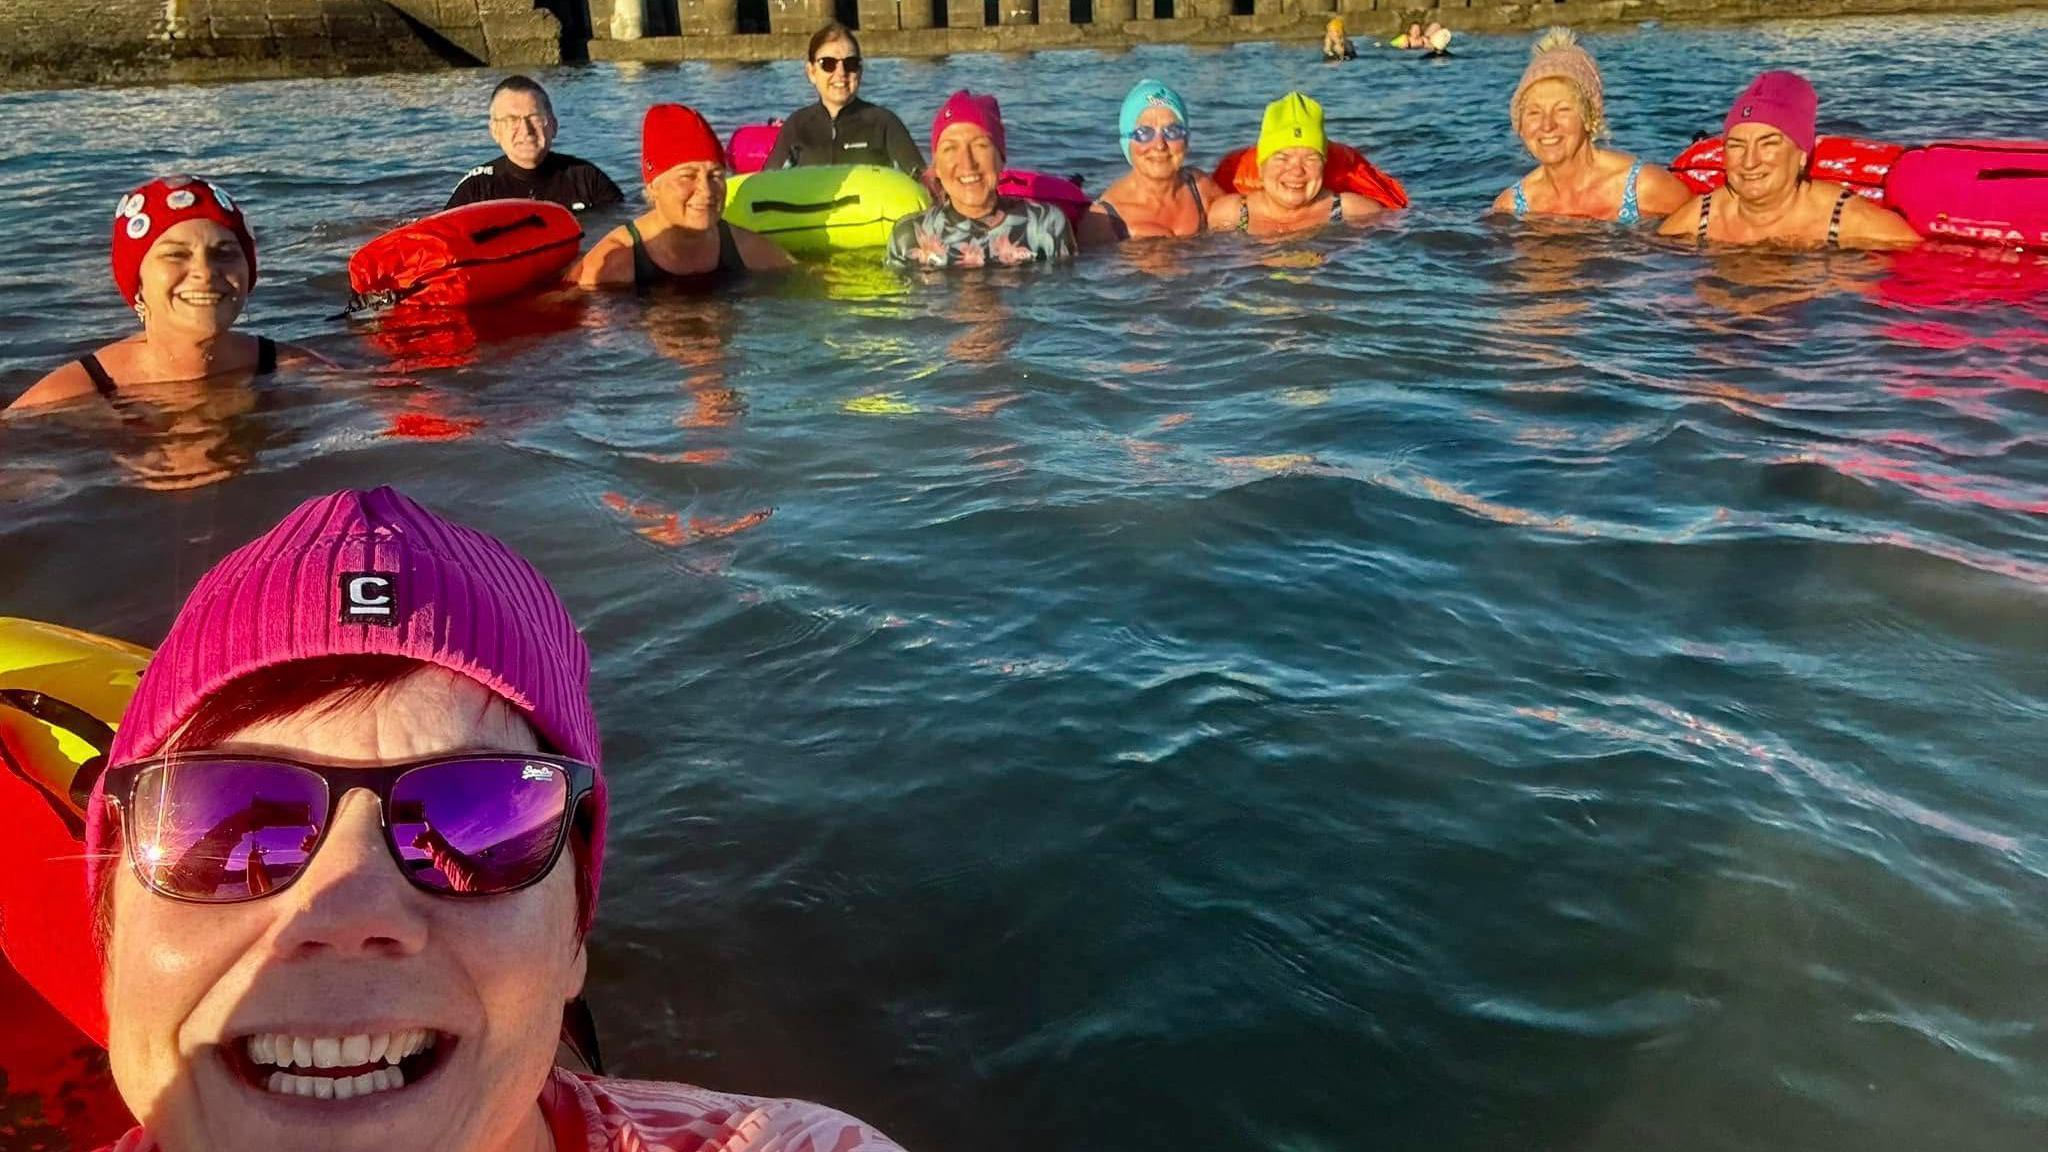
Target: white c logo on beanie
[{"x": 367, "y": 598}]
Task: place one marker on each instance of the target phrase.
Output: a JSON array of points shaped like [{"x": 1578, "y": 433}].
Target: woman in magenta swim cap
[
  {"x": 1768, "y": 140},
  {"x": 347, "y": 853},
  {"x": 184, "y": 260}
]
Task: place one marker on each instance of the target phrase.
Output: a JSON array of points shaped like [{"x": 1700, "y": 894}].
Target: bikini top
[
  {"x": 1123, "y": 230},
  {"x": 1244, "y": 212},
  {"x": 1631, "y": 210},
  {"x": 646, "y": 273},
  {"x": 1834, "y": 220},
  {"x": 103, "y": 381}
]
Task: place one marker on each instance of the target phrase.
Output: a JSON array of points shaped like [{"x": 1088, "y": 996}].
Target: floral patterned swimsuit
[{"x": 939, "y": 237}]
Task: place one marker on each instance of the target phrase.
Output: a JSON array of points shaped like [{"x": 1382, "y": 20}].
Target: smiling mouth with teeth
[{"x": 337, "y": 1067}]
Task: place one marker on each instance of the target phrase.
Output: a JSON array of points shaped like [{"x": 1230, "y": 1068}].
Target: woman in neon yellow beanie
[{"x": 1291, "y": 196}]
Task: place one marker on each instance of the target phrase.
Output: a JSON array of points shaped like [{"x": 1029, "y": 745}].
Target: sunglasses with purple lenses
[{"x": 219, "y": 828}]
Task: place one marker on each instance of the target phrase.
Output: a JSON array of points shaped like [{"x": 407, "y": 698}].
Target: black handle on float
[
  {"x": 75, "y": 720},
  {"x": 486, "y": 235},
  {"x": 802, "y": 209}
]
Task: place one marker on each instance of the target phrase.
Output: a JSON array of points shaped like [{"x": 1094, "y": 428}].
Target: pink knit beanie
[
  {"x": 964, "y": 107},
  {"x": 1556, "y": 55},
  {"x": 1783, "y": 100},
  {"x": 367, "y": 573}
]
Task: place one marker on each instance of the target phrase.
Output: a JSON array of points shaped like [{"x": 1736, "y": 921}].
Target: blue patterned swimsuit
[
  {"x": 939, "y": 237},
  {"x": 1631, "y": 212}
]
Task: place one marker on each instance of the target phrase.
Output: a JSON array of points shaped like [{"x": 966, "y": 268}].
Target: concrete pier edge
[{"x": 44, "y": 45}]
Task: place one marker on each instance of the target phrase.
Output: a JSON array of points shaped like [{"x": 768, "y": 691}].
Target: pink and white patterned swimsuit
[{"x": 595, "y": 1114}]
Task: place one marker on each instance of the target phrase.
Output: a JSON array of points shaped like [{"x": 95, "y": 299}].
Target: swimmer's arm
[
  {"x": 759, "y": 253},
  {"x": 66, "y": 383},
  {"x": 1358, "y": 209},
  {"x": 1865, "y": 225},
  {"x": 1659, "y": 193},
  {"x": 609, "y": 261},
  {"x": 1683, "y": 221},
  {"x": 1095, "y": 230},
  {"x": 1223, "y": 211},
  {"x": 1505, "y": 202}
]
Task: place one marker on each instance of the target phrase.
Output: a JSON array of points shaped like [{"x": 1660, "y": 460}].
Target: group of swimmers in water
[
  {"x": 1432, "y": 39},
  {"x": 184, "y": 257}
]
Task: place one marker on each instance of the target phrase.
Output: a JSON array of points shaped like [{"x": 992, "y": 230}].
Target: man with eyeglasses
[
  {"x": 842, "y": 128},
  {"x": 523, "y": 124}
]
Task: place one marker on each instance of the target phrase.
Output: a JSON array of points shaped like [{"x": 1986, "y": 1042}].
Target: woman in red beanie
[
  {"x": 184, "y": 260},
  {"x": 1768, "y": 141},
  {"x": 684, "y": 241}
]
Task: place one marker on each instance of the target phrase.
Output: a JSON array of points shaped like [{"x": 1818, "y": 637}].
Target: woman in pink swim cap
[
  {"x": 184, "y": 260},
  {"x": 346, "y": 854},
  {"x": 1768, "y": 141}
]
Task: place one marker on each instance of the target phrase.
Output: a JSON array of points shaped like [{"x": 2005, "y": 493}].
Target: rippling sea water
[{"x": 1460, "y": 685}]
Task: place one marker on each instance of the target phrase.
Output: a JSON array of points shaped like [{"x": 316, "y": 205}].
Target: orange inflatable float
[
  {"x": 1345, "y": 169},
  {"x": 466, "y": 256}
]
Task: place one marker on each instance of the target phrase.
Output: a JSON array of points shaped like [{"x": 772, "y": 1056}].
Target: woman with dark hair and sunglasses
[
  {"x": 347, "y": 854},
  {"x": 1160, "y": 196},
  {"x": 842, "y": 128}
]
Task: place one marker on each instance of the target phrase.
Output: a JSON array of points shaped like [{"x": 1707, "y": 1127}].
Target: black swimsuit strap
[
  {"x": 729, "y": 258},
  {"x": 645, "y": 270},
  {"x": 266, "y": 356},
  {"x": 97, "y": 373},
  {"x": 1194, "y": 184},
  {"x": 1835, "y": 221},
  {"x": 1116, "y": 219},
  {"x": 1706, "y": 214}
]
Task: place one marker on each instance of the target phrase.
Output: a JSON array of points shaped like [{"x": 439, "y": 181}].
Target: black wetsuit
[
  {"x": 862, "y": 133},
  {"x": 646, "y": 273},
  {"x": 561, "y": 179}
]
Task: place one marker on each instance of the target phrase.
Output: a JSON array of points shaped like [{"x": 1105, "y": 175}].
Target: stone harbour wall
[
  {"x": 61, "y": 42},
  {"x": 55, "y": 42}
]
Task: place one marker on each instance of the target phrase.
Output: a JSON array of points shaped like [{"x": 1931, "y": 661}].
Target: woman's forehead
[{"x": 962, "y": 132}]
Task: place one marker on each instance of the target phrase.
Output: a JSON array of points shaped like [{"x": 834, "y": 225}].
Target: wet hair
[
  {"x": 830, "y": 32},
  {"x": 321, "y": 686},
  {"x": 526, "y": 84}
]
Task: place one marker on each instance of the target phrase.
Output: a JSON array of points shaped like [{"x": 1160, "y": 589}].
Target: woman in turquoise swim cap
[{"x": 1159, "y": 196}]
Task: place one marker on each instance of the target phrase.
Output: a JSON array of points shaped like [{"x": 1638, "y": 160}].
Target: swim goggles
[
  {"x": 218, "y": 828},
  {"x": 1146, "y": 133},
  {"x": 831, "y": 64}
]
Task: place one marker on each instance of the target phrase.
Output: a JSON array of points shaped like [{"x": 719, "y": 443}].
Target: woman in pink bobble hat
[
  {"x": 346, "y": 854},
  {"x": 184, "y": 260},
  {"x": 1559, "y": 110},
  {"x": 1768, "y": 141}
]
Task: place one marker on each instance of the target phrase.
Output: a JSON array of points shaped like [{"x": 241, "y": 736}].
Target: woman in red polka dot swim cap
[{"x": 185, "y": 261}]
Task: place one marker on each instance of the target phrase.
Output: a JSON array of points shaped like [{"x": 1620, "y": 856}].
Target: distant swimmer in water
[
  {"x": 1336, "y": 46},
  {"x": 1559, "y": 111},
  {"x": 1291, "y": 196},
  {"x": 185, "y": 261},
  {"x": 974, "y": 224},
  {"x": 1768, "y": 140},
  {"x": 683, "y": 241},
  {"x": 523, "y": 126},
  {"x": 1160, "y": 195},
  {"x": 1411, "y": 39}
]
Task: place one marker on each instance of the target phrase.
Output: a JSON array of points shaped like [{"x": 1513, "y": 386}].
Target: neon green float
[
  {"x": 825, "y": 209},
  {"x": 61, "y": 694}
]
